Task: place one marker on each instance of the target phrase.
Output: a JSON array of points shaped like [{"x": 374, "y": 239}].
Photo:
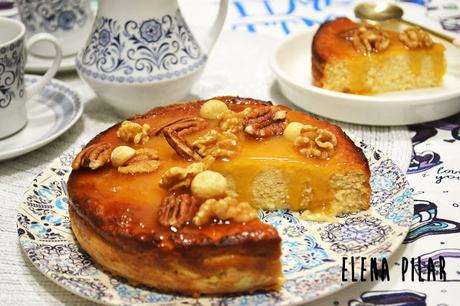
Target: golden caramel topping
[
  {"x": 415, "y": 38},
  {"x": 224, "y": 209},
  {"x": 134, "y": 132},
  {"x": 93, "y": 156},
  {"x": 217, "y": 144},
  {"x": 314, "y": 142}
]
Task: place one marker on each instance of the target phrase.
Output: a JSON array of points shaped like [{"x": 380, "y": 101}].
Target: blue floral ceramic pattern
[
  {"x": 311, "y": 256},
  {"x": 11, "y": 73},
  {"x": 51, "y": 16},
  {"x": 147, "y": 51}
]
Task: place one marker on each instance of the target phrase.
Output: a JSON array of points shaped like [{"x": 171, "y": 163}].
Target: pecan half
[
  {"x": 265, "y": 122},
  {"x": 184, "y": 126},
  {"x": 93, "y": 156},
  {"x": 174, "y": 133},
  {"x": 180, "y": 145},
  {"x": 176, "y": 210}
]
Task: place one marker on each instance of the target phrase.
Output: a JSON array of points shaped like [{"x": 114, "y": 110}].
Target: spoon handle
[{"x": 455, "y": 42}]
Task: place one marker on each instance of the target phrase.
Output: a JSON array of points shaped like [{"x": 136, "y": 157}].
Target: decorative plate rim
[{"x": 398, "y": 230}]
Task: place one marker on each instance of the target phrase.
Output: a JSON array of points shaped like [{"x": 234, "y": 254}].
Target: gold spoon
[{"x": 383, "y": 11}]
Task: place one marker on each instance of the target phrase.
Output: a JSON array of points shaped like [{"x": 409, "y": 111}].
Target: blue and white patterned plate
[
  {"x": 312, "y": 252},
  {"x": 50, "y": 114}
]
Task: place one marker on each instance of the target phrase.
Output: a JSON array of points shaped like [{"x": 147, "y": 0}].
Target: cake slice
[{"x": 366, "y": 59}]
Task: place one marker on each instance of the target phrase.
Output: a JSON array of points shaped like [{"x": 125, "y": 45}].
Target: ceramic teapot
[{"x": 141, "y": 53}]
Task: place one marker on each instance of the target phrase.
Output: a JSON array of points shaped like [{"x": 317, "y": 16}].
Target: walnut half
[
  {"x": 415, "y": 38},
  {"x": 145, "y": 160},
  {"x": 315, "y": 142},
  {"x": 217, "y": 144},
  {"x": 177, "y": 177},
  {"x": 369, "y": 38},
  {"x": 134, "y": 132},
  {"x": 224, "y": 209}
]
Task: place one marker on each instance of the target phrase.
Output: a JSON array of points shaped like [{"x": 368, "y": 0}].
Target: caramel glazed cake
[
  {"x": 367, "y": 59},
  {"x": 169, "y": 199}
]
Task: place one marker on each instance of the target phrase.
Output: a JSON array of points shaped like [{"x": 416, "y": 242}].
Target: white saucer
[
  {"x": 50, "y": 113},
  {"x": 291, "y": 63},
  {"x": 37, "y": 64}
]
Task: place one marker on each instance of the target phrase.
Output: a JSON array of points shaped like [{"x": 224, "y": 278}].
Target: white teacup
[
  {"x": 13, "y": 94},
  {"x": 69, "y": 21}
]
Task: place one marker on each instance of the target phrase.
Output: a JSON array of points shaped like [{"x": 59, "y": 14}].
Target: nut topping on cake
[
  {"x": 224, "y": 209},
  {"x": 209, "y": 184},
  {"x": 292, "y": 130},
  {"x": 134, "y": 132},
  {"x": 265, "y": 122},
  {"x": 121, "y": 155},
  {"x": 368, "y": 39},
  {"x": 415, "y": 38},
  {"x": 232, "y": 121},
  {"x": 212, "y": 109},
  {"x": 176, "y": 210},
  {"x": 180, "y": 145},
  {"x": 314, "y": 142},
  {"x": 177, "y": 177},
  {"x": 93, "y": 156},
  {"x": 188, "y": 126},
  {"x": 217, "y": 144},
  {"x": 145, "y": 160},
  {"x": 175, "y": 132}
]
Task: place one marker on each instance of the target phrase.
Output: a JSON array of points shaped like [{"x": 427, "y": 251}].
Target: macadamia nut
[
  {"x": 209, "y": 184},
  {"x": 213, "y": 108},
  {"x": 121, "y": 155},
  {"x": 292, "y": 130}
]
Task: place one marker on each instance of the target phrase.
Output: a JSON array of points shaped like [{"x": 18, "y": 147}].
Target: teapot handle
[{"x": 211, "y": 38}]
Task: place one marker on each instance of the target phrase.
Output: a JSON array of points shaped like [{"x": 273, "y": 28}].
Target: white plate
[
  {"x": 312, "y": 251},
  {"x": 38, "y": 64},
  {"x": 50, "y": 114},
  {"x": 291, "y": 63}
]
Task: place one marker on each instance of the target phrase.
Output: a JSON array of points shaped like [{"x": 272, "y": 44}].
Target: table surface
[{"x": 429, "y": 151}]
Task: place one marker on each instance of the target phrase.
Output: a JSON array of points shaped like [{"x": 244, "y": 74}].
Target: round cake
[{"x": 170, "y": 199}]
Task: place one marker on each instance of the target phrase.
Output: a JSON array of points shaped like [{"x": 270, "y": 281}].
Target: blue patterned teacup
[
  {"x": 141, "y": 53},
  {"x": 68, "y": 20},
  {"x": 13, "y": 94}
]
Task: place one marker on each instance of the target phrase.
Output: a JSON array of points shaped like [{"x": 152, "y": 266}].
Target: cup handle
[
  {"x": 213, "y": 34},
  {"x": 38, "y": 86}
]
